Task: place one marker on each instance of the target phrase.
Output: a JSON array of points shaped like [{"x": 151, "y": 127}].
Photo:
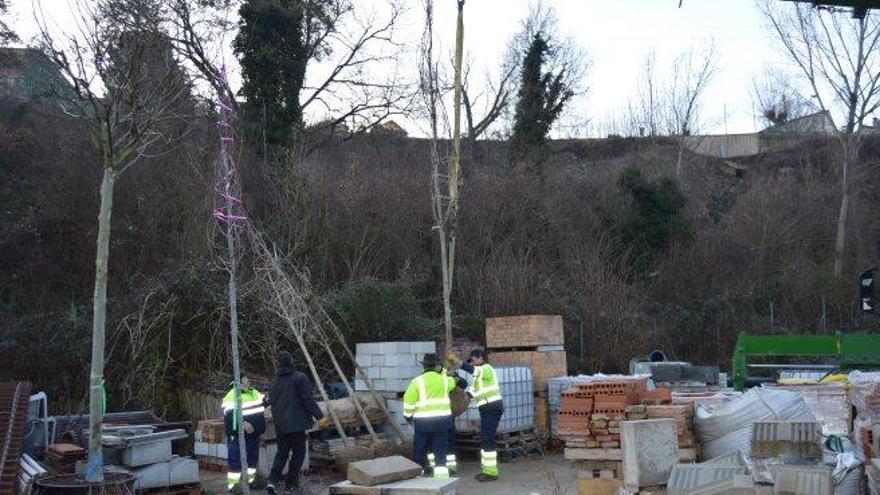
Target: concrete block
[
  {"x": 382, "y": 470},
  {"x": 740, "y": 484},
  {"x": 360, "y": 385},
  {"x": 800, "y": 439},
  {"x": 423, "y": 347},
  {"x": 152, "y": 476},
  {"x": 801, "y": 480},
  {"x": 400, "y": 360},
  {"x": 685, "y": 477},
  {"x": 183, "y": 471},
  {"x": 364, "y": 359},
  {"x": 417, "y": 486},
  {"x": 367, "y": 348},
  {"x": 397, "y": 373},
  {"x": 649, "y": 449},
  {"x": 379, "y": 359},
  {"x": 373, "y": 372},
  {"x": 147, "y": 453}
]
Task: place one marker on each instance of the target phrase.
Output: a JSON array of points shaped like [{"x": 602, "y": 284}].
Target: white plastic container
[{"x": 519, "y": 403}]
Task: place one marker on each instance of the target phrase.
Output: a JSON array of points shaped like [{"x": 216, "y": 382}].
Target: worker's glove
[
  {"x": 323, "y": 422},
  {"x": 452, "y": 359},
  {"x": 461, "y": 383},
  {"x": 470, "y": 394},
  {"x": 247, "y": 427}
]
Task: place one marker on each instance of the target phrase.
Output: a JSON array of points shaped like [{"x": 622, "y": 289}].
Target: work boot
[
  {"x": 482, "y": 477},
  {"x": 270, "y": 489},
  {"x": 260, "y": 482}
]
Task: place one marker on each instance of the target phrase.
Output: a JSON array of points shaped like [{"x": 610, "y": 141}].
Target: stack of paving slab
[
  {"x": 390, "y": 366},
  {"x": 829, "y": 402},
  {"x": 394, "y": 475},
  {"x": 784, "y": 455}
]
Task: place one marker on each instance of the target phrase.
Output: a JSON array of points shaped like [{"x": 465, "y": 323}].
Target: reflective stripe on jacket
[
  {"x": 485, "y": 388},
  {"x": 428, "y": 396}
]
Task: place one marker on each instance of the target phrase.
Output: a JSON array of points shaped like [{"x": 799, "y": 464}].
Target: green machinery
[{"x": 851, "y": 351}]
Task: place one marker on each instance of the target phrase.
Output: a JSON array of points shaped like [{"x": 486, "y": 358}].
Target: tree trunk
[
  {"x": 849, "y": 153},
  {"x": 233, "y": 332},
  {"x": 95, "y": 470},
  {"x": 454, "y": 177}
]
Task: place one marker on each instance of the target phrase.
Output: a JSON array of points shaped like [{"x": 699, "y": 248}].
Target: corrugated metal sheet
[
  {"x": 685, "y": 477},
  {"x": 786, "y": 431},
  {"x": 802, "y": 480},
  {"x": 14, "y": 400}
]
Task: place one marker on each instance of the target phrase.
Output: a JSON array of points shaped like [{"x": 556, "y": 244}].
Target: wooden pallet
[{"x": 510, "y": 445}]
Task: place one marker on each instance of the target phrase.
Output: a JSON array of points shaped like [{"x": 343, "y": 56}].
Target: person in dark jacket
[{"x": 294, "y": 411}]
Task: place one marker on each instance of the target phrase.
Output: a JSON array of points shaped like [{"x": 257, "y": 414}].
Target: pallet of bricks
[
  {"x": 589, "y": 424},
  {"x": 533, "y": 341}
]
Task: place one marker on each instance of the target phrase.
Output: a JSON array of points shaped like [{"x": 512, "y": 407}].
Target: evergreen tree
[
  {"x": 654, "y": 219},
  {"x": 541, "y": 98},
  {"x": 274, "y": 46}
]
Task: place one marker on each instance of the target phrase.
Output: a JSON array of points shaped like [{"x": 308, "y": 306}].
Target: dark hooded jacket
[{"x": 293, "y": 406}]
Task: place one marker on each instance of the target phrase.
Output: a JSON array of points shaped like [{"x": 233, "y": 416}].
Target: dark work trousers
[
  {"x": 252, "y": 447},
  {"x": 489, "y": 421},
  {"x": 436, "y": 441},
  {"x": 287, "y": 443}
]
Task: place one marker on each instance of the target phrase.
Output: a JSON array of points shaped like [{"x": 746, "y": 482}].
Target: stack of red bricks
[{"x": 591, "y": 412}]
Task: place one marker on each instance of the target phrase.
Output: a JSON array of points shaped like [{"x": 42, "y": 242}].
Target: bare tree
[
  {"x": 838, "y": 57},
  {"x": 348, "y": 89},
  {"x": 444, "y": 203},
  {"x": 494, "y": 101},
  {"x": 110, "y": 63},
  {"x": 691, "y": 74},
  {"x": 776, "y": 99},
  {"x": 647, "y": 106},
  {"x": 6, "y": 33}
]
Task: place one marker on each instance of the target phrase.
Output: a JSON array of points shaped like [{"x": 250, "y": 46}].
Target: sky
[{"x": 616, "y": 35}]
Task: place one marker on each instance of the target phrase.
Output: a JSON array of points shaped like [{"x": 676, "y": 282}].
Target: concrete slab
[
  {"x": 418, "y": 486},
  {"x": 148, "y": 453},
  {"x": 383, "y": 470},
  {"x": 799, "y": 439},
  {"x": 685, "y": 477},
  {"x": 801, "y": 480},
  {"x": 649, "y": 449},
  {"x": 740, "y": 484}
]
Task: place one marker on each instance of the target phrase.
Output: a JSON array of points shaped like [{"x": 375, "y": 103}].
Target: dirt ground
[{"x": 551, "y": 475}]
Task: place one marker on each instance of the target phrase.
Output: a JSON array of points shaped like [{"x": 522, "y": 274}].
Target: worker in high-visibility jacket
[
  {"x": 426, "y": 404},
  {"x": 451, "y": 461},
  {"x": 486, "y": 392},
  {"x": 253, "y": 422}
]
